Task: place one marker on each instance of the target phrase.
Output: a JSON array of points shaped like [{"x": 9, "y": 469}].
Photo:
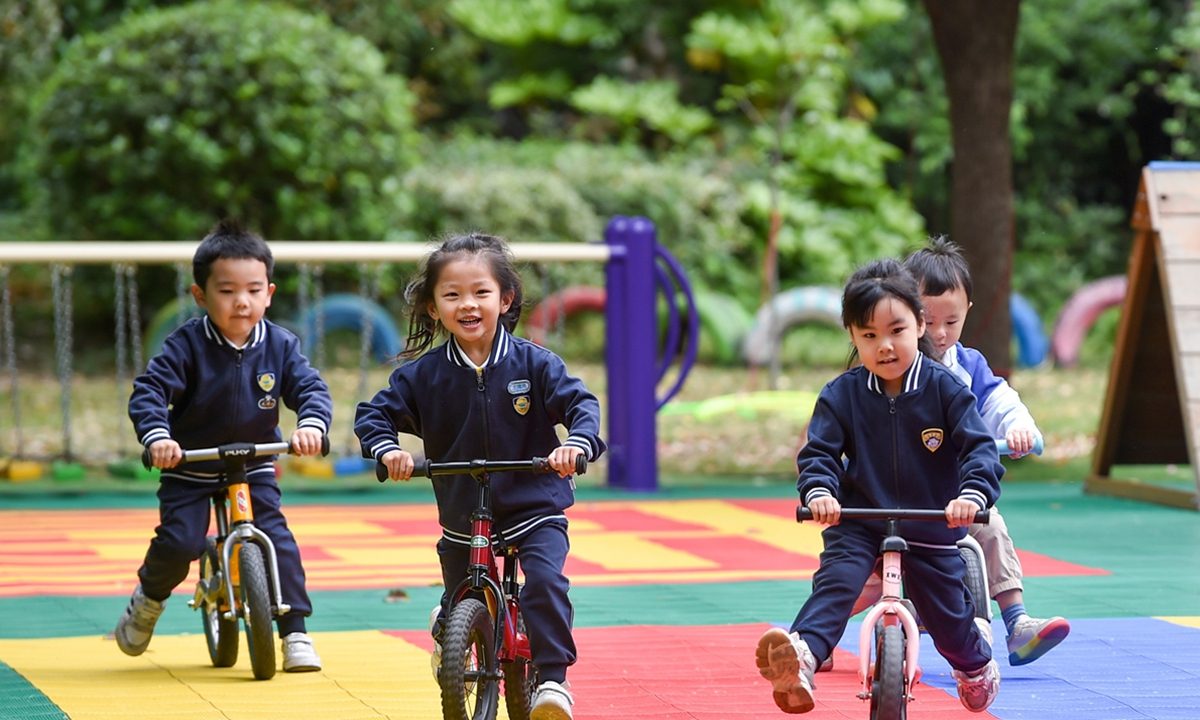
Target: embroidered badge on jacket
[
  {"x": 266, "y": 381},
  {"x": 518, "y": 387},
  {"x": 267, "y": 403},
  {"x": 521, "y": 404},
  {"x": 932, "y": 439}
]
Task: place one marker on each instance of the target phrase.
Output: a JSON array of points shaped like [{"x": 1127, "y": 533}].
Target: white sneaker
[
  {"x": 977, "y": 691},
  {"x": 136, "y": 626},
  {"x": 1032, "y": 638},
  {"x": 552, "y": 702},
  {"x": 785, "y": 660},
  {"x": 298, "y": 653},
  {"x": 435, "y": 660}
]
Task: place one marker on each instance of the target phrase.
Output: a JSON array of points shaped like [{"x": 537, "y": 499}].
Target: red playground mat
[{"x": 704, "y": 673}]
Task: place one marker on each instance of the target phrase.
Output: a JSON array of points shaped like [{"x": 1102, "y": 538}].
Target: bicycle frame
[
  {"x": 890, "y": 609},
  {"x": 237, "y": 526},
  {"x": 499, "y": 588}
]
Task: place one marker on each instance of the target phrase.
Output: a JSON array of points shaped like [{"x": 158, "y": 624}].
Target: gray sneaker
[
  {"x": 435, "y": 659},
  {"x": 298, "y": 653},
  {"x": 552, "y": 702},
  {"x": 136, "y": 626},
  {"x": 1032, "y": 638},
  {"x": 785, "y": 660},
  {"x": 978, "y": 690}
]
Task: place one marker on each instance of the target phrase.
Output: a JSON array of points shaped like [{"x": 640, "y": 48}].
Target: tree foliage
[{"x": 173, "y": 118}]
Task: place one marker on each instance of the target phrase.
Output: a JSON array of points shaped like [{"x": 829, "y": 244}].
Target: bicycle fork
[
  {"x": 239, "y": 528},
  {"x": 891, "y": 611}
]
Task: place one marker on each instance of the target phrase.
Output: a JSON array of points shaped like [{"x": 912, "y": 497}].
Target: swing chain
[
  {"x": 10, "y": 355},
  {"x": 60, "y": 280},
  {"x": 121, "y": 318},
  {"x": 319, "y": 325},
  {"x": 135, "y": 318},
  {"x": 303, "y": 283}
]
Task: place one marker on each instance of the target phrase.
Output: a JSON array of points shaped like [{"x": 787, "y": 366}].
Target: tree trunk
[{"x": 976, "y": 42}]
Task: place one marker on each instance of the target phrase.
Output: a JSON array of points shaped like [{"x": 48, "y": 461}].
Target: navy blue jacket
[
  {"x": 920, "y": 449},
  {"x": 507, "y": 410},
  {"x": 202, "y": 392}
]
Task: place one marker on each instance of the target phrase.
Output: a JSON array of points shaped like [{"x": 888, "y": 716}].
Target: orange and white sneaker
[{"x": 785, "y": 660}]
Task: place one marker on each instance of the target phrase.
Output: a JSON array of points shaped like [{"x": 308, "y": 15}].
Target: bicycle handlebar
[
  {"x": 1002, "y": 447},
  {"x": 803, "y": 513},
  {"x": 477, "y": 468},
  {"x": 245, "y": 450}
]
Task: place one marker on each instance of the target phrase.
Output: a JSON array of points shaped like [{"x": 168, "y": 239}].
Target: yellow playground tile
[
  {"x": 1193, "y": 622},
  {"x": 367, "y": 675}
]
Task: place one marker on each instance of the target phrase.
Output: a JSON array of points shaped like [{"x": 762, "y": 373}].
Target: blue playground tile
[{"x": 1107, "y": 669}]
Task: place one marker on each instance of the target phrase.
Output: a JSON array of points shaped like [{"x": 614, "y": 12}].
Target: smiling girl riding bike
[
  {"x": 912, "y": 438},
  {"x": 486, "y": 394}
]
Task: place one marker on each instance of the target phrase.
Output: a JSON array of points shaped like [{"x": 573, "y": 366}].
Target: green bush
[{"x": 173, "y": 118}]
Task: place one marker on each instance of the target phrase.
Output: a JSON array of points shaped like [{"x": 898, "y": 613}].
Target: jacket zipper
[
  {"x": 487, "y": 451},
  {"x": 895, "y": 447}
]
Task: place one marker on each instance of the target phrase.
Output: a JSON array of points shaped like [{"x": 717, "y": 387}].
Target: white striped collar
[
  {"x": 257, "y": 335},
  {"x": 500, "y": 349},
  {"x": 911, "y": 377}
]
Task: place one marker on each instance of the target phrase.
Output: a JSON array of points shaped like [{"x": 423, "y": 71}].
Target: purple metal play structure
[{"x": 638, "y": 269}]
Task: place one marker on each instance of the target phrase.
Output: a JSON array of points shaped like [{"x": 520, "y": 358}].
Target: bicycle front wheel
[
  {"x": 256, "y": 611},
  {"x": 889, "y": 696},
  {"x": 469, "y": 677},
  {"x": 221, "y": 634}
]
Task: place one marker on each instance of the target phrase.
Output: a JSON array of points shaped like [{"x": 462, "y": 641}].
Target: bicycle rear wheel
[
  {"x": 469, "y": 678},
  {"x": 222, "y": 634},
  {"x": 256, "y": 611},
  {"x": 520, "y": 682},
  {"x": 889, "y": 696},
  {"x": 977, "y": 584}
]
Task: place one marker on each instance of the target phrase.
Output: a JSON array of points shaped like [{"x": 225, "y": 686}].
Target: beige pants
[{"x": 1003, "y": 567}]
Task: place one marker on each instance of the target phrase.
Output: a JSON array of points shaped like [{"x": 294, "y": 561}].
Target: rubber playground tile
[
  {"x": 701, "y": 673},
  {"x": 366, "y": 675},
  {"x": 1106, "y": 669}
]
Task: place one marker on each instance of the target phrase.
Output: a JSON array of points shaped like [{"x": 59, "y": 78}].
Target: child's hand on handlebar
[
  {"x": 165, "y": 453},
  {"x": 563, "y": 459},
  {"x": 826, "y": 510},
  {"x": 306, "y": 441},
  {"x": 961, "y": 513},
  {"x": 1020, "y": 442},
  {"x": 399, "y": 464}
]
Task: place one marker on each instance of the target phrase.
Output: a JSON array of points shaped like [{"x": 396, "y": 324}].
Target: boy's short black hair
[
  {"x": 230, "y": 241},
  {"x": 939, "y": 268}
]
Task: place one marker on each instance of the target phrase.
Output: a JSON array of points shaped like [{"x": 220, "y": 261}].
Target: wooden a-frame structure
[{"x": 1152, "y": 408}]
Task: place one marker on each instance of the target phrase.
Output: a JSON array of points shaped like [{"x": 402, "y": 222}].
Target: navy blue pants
[
  {"x": 183, "y": 511},
  {"x": 933, "y": 580},
  {"x": 544, "y": 603}
]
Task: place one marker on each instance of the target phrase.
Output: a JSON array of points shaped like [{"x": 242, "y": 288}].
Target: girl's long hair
[
  {"x": 879, "y": 280},
  {"x": 423, "y": 330}
]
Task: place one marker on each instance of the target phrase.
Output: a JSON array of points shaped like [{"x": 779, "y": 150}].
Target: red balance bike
[{"x": 484, "y": 639}]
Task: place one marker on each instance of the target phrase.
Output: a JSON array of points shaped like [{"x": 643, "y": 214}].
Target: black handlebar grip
[
  {"x": 324, "y": 445},
  {"x": 146, "y": 462},
  {"x": 803, "y": 513},
  {"x": 381, "y": 471},
  {"x": 581, "y": 464}
]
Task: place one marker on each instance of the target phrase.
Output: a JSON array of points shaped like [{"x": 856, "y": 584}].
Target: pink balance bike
[
  {"x": 888, "y": 682},
  {"x": 484, "y": 640}
]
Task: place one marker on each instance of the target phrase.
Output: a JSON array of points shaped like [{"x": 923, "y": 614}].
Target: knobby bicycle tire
[
  {"x": 221, "y": 634},
  {"x": 520, "y": 681},
  {"x": 889, "y": 696},
  {"x": 469, "y": 679},
  {"x": 256, "y": 607}
]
